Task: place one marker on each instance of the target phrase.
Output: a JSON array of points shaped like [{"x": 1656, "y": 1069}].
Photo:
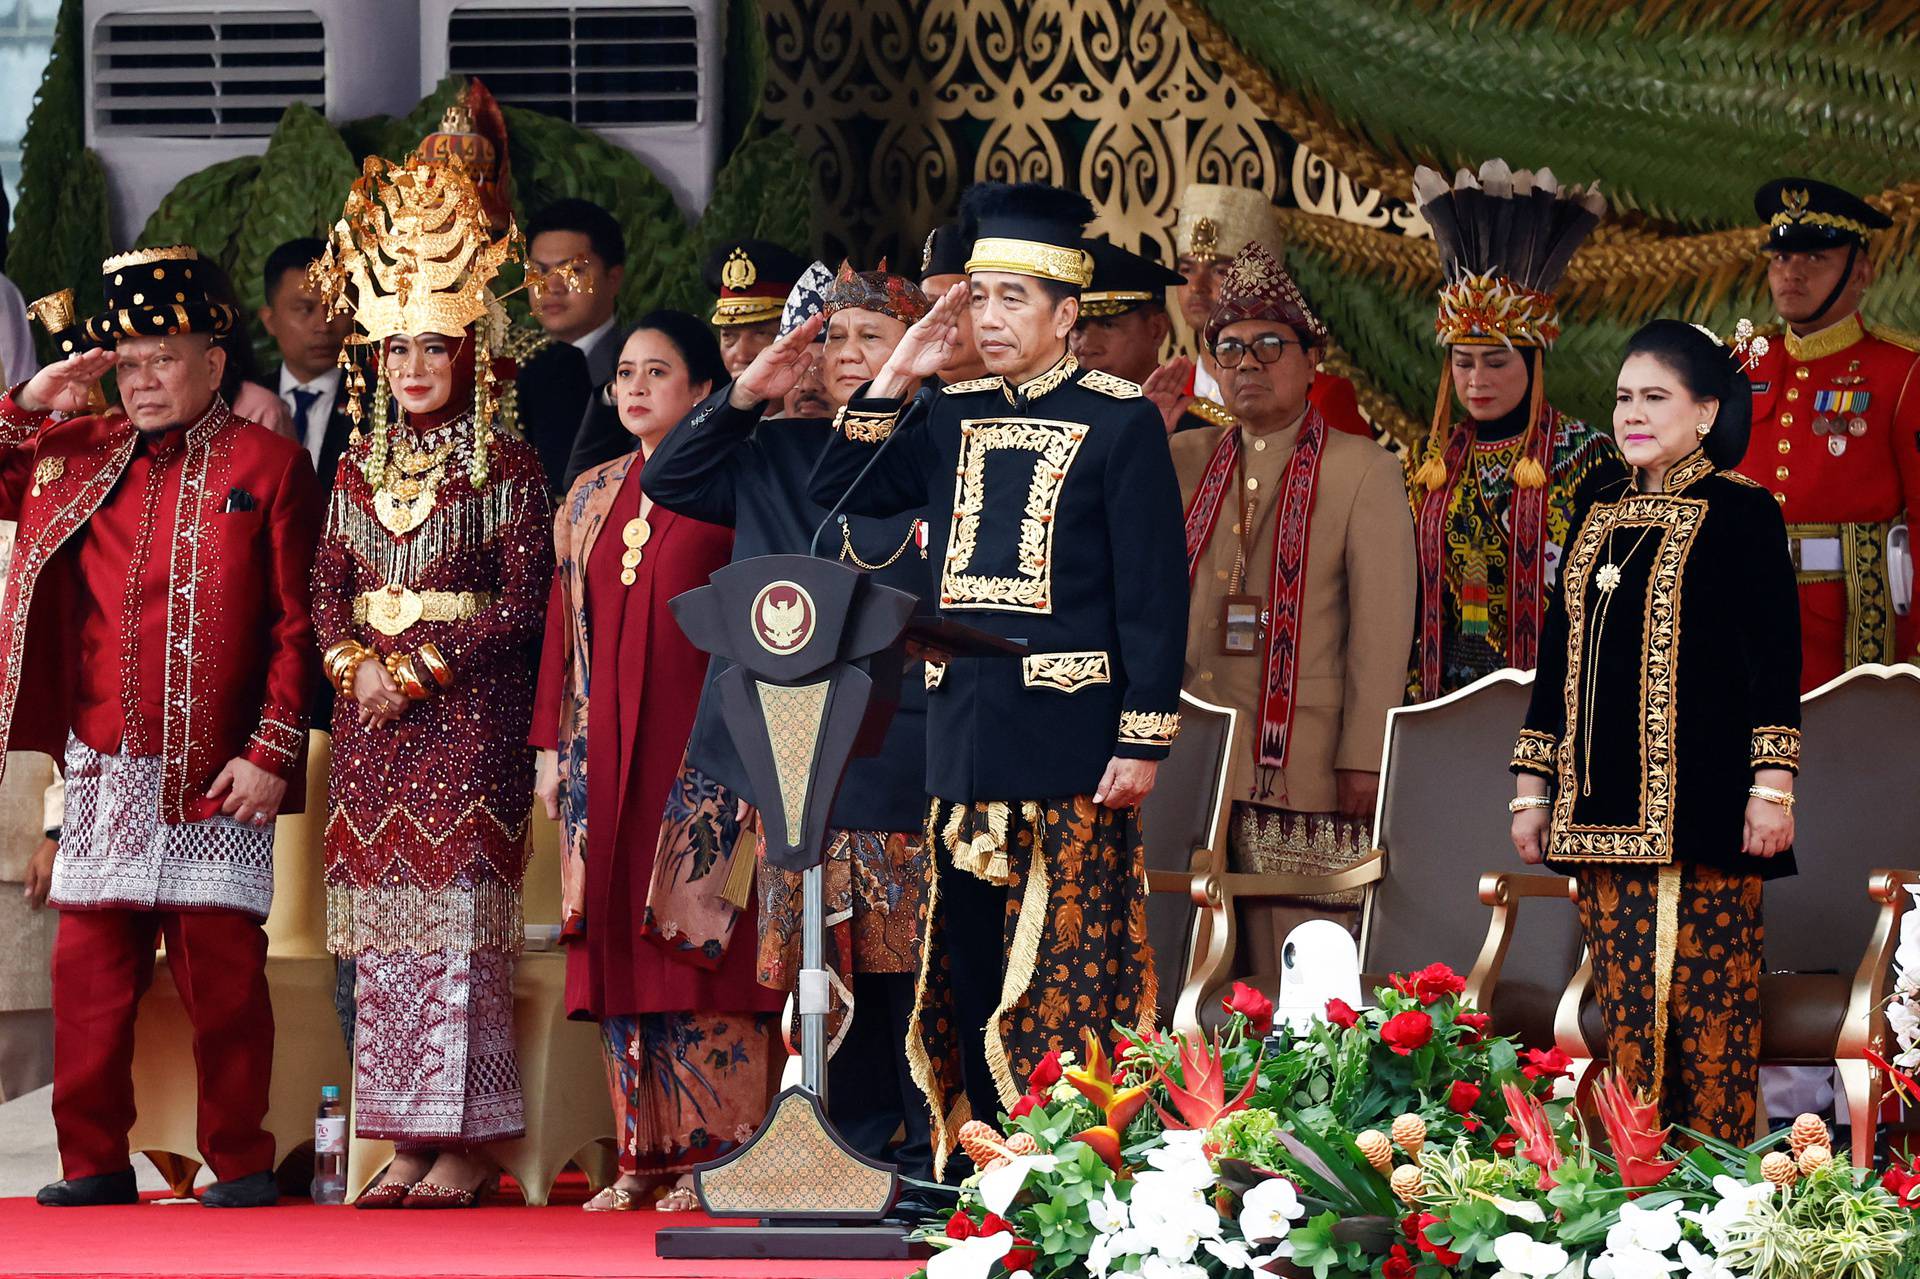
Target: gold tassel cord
[{"x": 1527, "y": 471}]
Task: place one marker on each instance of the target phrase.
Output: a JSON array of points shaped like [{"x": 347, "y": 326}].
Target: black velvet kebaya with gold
[{"x": 1669, "y": 671}]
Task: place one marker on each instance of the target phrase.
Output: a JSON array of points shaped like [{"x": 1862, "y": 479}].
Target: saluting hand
[
  {"x": 1167, "y": 386},
  {"x": 927, "y": 346},
  {"x": 779, "y": 366},
  {"x": 65, "y": 386}
]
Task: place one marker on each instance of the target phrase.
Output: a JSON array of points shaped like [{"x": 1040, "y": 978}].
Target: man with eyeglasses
[{"x": 1300, "y": 554}]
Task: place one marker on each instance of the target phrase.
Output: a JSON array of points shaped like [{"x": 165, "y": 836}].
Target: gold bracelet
[
  {"x": 405, "y": 676},
  {"x": 1772, "y": 794},
  {"x": 1521, "y": 803},
  {"x": 350, "y": 668},
  {"x": 429, "y": 657},
  {"x": 339, "y": 656}
]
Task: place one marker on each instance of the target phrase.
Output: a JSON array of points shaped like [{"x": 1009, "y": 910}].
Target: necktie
[{"x": 303, "y": 402}]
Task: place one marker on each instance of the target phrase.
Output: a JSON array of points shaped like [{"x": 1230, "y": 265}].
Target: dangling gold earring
[{"x": 1703, "y": 429}]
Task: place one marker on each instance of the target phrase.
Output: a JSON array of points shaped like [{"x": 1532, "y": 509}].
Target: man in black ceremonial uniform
[
  {"x": 1054, "y": 519},
  {"x": 727, "y": 465}
]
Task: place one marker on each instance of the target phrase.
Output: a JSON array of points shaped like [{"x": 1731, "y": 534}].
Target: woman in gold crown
[
  {"x": 429, "y": 595},
  {"x": 1492, "y": 492}
]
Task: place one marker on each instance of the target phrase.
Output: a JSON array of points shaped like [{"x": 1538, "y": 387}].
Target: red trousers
[{"x": 102, "y": 965}]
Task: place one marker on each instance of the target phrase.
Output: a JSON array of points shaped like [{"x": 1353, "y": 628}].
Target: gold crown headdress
[{"x": 415, "y": 252}]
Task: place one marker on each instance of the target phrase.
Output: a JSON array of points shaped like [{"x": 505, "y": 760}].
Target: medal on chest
[
  {"x": 635, "y": 536},
  {"x": 1840, "y": 415}
]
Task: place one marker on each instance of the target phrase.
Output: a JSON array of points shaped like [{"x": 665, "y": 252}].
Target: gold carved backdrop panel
[{"x": 904, "y": 103}]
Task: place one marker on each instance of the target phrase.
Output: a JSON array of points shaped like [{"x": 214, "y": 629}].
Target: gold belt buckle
[
  {"x": 1793, "y": 549},
  {"x": 393, "y": 609}
]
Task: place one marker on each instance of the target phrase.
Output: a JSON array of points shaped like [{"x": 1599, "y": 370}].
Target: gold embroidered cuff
[
  {"x": 279, "y": 736},
  {"x": 866, "y": 428},
  {"x": 1065, "y": 672},
  {"x": 1533, "y": 751},
  {"x": 1775, "y": 746},
  {"x": 1149, "y": 728}
]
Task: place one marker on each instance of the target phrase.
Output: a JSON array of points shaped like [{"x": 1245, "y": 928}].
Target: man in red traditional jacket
[
  {"x": 154, "y": 632},
  {"x": 1836, "y": 431}
]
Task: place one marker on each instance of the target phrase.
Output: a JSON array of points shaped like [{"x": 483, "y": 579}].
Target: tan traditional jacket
[{"x": 1356, "y": 612}]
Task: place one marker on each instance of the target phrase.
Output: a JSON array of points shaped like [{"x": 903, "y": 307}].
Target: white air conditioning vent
[
  {"x": 599, "y": 67},
  {"x": 206, "y": 73}
]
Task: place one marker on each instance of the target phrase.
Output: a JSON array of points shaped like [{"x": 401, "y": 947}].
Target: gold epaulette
[
  {"x": 971, "y": 385},
  {"x": 1110, "y": 384},
  {"x": 1738, "y": 478},
  {"x": 1899, "y": 337},
  {"x": 1210, "y": 411}
]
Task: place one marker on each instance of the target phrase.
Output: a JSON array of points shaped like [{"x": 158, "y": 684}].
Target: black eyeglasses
[{"x": 1266, "y": 349}]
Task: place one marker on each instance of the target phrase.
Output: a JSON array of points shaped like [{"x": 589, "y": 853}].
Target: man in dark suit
[
  {"x": 577, "y": 241},
  {"x": 310, "y": 376}
]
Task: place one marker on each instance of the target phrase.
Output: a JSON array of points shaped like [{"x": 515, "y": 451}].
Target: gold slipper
[{"x": 612, "y": 1199}]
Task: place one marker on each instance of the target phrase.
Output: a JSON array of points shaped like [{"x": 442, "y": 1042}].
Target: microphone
[{"x": 918, "y": 404}]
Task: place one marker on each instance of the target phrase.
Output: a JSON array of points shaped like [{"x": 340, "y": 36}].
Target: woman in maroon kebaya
[{"x": 653, "y": 951}]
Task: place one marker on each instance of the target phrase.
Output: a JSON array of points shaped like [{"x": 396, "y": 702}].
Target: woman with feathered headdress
[
  {"x": 429, "y": 593},
  {"x": 1492, "y": 492}
]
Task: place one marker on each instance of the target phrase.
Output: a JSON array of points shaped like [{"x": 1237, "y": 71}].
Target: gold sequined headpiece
[
  {"x": 412, "y": 251},
  {"x": 1217, "y": 221}
]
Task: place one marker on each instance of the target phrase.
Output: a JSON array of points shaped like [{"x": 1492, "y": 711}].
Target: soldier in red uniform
[
  {"x": 1836, "y": 431},
  {"x": 154, "y": 631}
]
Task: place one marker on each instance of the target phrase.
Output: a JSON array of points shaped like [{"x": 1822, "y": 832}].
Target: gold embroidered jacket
[
  {"x": 1669, "y": 671},
  {"x": 1054, "y": 519}
]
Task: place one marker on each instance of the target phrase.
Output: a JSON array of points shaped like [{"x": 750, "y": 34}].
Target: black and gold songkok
[{"x": 1027, "y": 228}]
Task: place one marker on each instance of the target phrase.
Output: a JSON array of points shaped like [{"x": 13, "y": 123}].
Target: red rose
[
  {"x": 1023, "y": 1257},
  {"x": 1442, "y": 1254},
  {"x": 1475, "y": 1022},
  {"x": 1398, "y": 1264},
  {"x": 994, "y": 1224},
  {"x": 1430, "y": 984},
  {"x": 1341, "y": 1014},
  {"x": 1406, "y": 1032},
  {"x": 1505, "y": 1143},
  {"x": 1024, "y": 1107},
  {"x": 960, "y": 1226},
  {"x": 1463, "y": 1097},
  {"x": 1251, "y": 1004},
  {"x": 1547, "y": 1064},
  {"x": 1046, "y": 1074}
]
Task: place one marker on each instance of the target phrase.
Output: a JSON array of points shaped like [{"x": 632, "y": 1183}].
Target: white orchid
[
  {"x": 1628, "y": 1263},
  {"x": 1651, "y": 1229},
  {"x": 1184, "y": 1158},
  {"x": 1161, "y": 1267},
  {"x": 1268, "y": 1210},
  {"x": 1233, "y": 1253},
  {"x": 999, "y": 1185},
  {"x": 1521, "y": 1209},
  {"x": 1703, "y": 1265},
  {"x": 1107, "y": 1214},
  {"x": 1109, "y": 1248},
  {"x": 1736, "y": 1203},
  {"x": 970, "y": 1258},
  {"x": 1521, "y": 1256}
]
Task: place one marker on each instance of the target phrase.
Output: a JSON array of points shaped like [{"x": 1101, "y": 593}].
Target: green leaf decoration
[
  {"x": 60, "y": 230},
  {"x": 301, "y": 185},
  {"x": 754, "y": 196},
  {"x": 204, "y": 209},
  {"x": 1679, "y": 124}
]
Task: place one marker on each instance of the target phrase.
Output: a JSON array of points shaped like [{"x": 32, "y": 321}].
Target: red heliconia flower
[
  {"x": 1340, "y": 1013},
  {"x": 1251, "y": 1004},
  {"x": 1634, "y": 1131},
  {"x": 1407, "y": 1032},
  {"x": 1546, "y": 1064},
  {"x": 1904, "y": 1085},
  {"x": 1903, "y": 1183},
  {"x": 1529, "y": 1119},
  {"x": 1105, "y": 1143},
  {"x": 1095, "y": 1082},
  {"x": 1201, "y": 1097}
]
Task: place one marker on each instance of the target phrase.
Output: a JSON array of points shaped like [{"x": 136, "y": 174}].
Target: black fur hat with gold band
[{"x": 155, "y": 293}]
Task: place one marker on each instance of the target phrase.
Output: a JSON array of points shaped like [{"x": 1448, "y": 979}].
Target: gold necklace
[
  {"x": 848, "y": 553},
  {"x": 410, "y": 481},
  {"x": 1606, "y": 580},
  {"x": 635, "y": 536}
]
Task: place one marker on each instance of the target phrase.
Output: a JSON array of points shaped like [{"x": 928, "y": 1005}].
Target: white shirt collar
[
  {"x": 589, "y": 339},
  {"x": 327, "y": 383}
]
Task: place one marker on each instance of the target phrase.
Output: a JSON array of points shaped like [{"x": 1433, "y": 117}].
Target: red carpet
[{"x": 185, "y": 1241}]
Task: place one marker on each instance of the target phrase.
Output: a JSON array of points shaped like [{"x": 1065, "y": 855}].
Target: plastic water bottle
[{"x": 329, "y": 1149}]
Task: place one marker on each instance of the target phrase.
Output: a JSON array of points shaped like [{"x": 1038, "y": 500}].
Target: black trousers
[
  {"x": 870, "y": 1091},
  {"x": 975, "y": 914}
]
